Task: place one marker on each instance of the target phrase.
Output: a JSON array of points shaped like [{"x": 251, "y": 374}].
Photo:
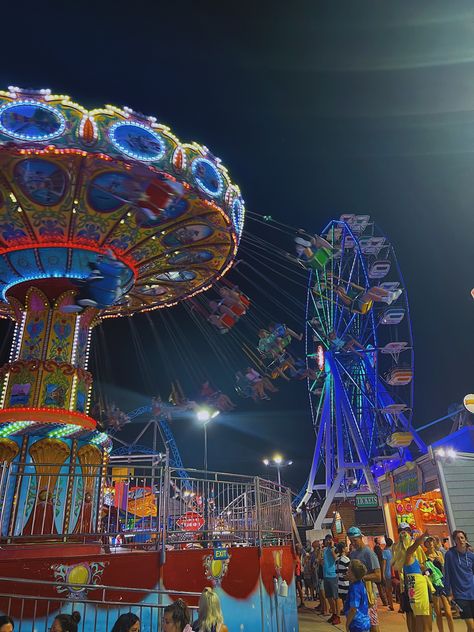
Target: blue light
[
  {"x": 238, "y": 214},
  {"x": 29, "y": 120},
  {"x": 207, "y": 177},
  {"x": 42, "y": 275},
  {"x": 137, "y": 141}
]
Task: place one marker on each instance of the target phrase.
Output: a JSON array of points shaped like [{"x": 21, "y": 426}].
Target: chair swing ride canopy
[
  {"x": 109, "y": 204},
  {"x": 103, "y": 213}
]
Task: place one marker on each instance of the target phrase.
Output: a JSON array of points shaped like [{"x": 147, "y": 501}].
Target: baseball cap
[
  {"x": 354, "y": 532},
  {"x": 404, "y": 525}
]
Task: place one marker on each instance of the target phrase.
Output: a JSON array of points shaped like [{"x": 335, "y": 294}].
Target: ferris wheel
[{"x": 358, "y": 333}]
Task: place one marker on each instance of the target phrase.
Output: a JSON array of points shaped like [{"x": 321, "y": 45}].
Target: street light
[
  {"x": 278, "y": 462},
  {"x": 205, "y": 415}
]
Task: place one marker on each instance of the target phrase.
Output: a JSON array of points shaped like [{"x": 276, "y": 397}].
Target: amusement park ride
[
  {"x": 358, "y": 331},
  {"x": 105, "y": 213}
]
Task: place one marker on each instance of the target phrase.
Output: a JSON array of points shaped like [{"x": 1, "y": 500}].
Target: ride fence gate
[{"x": 145, "y": 519}]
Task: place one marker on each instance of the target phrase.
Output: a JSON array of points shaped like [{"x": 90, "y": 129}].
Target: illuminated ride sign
[{"x": 190, "y": 521}]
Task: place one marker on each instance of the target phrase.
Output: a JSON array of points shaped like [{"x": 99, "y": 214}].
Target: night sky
[{"x": 317, "y": 109}]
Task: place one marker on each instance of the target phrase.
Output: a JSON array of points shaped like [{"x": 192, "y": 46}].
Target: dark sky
[{"x": 317, "y": 109}]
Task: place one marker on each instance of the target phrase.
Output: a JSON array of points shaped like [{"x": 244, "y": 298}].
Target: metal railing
[
  {"x": 140, "y": 507},
  {"x": 35, "y": 605}
]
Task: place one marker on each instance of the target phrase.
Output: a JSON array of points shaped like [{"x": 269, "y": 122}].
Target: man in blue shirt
[
  {"x": 330, "y": 578},
  {"x": 365, "y": 555},
  {"x": 459, "y": 577}
]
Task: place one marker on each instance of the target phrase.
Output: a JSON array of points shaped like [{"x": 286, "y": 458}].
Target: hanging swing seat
[
  {"x": 320, "y": 258},
  {"x": 400, "y": 439}
]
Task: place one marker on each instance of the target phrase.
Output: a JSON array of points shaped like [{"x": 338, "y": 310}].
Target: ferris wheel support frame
[
  {"x": 335, "y": 462},
  {"x": 347, "y": 429}
]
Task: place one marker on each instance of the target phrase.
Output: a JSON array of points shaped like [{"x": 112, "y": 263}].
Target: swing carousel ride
[{"x": 103, "y": 213}]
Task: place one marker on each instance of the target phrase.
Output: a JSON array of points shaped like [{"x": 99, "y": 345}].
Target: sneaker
[
  {"x": 336, "y": 620},
  {"x": 330, "y": 620}
]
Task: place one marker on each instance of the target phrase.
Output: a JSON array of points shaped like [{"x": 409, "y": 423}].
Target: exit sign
[
  {"x": 367, "y": 501},
  {"x": 221, "y": 554}
]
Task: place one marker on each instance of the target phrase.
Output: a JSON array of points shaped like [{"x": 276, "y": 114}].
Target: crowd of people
[
  {"x": 176, "y": 618},
  {"x": 427, "y": 578}
]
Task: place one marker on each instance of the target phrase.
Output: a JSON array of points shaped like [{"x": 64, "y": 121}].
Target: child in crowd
[
  {"x": 356, "y": 607},
  {"x": 342, "y": 566}
]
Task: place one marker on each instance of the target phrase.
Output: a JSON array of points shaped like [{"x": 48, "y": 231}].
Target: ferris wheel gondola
[{"x": 358, "y": 333}]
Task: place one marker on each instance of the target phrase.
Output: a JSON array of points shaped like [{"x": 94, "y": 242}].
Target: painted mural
[{"x": 250, "y": 584}]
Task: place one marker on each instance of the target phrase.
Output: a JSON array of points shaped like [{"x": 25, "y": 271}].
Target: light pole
[
  {"x": 277, "y": 462},
  {"x": 205, "y": 415}
]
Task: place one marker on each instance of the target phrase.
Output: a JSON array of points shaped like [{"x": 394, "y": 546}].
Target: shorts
[
  {"x": 299, "y": 580},
  {"x": 467, "y": 608},
  {"x": 373, "y": 615},
  {"x": 331, "y": 587},
  {"x": 418, "y": 594},
  {"x": 308, "y": 581}
]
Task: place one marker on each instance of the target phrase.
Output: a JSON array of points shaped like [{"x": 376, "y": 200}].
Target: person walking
[
  {"x": 459, "y": 577},
  {"x": 308, "y": 575},
  {"x": 381, "y": 585},
  {"x": 387, "y": 556},
  {"x": 299, "y": 574},
  {"x": 434, "y": 566},
  {"x": 360, "y": 551},
  {"x": 330, "y": 578},
  {"x": 323, "y": 606}
]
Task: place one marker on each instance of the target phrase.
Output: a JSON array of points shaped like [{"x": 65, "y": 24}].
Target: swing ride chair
[
  {"x": 103, "y": 213},
  {"x": 358, "y": 331}
]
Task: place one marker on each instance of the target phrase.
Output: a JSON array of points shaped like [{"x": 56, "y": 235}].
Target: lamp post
[
  {"x": 277, "y": 461},
  {"x": 205, "y": 415}
]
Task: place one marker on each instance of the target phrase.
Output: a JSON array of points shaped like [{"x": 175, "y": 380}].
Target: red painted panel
[{"x": 277, "y": 562}]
